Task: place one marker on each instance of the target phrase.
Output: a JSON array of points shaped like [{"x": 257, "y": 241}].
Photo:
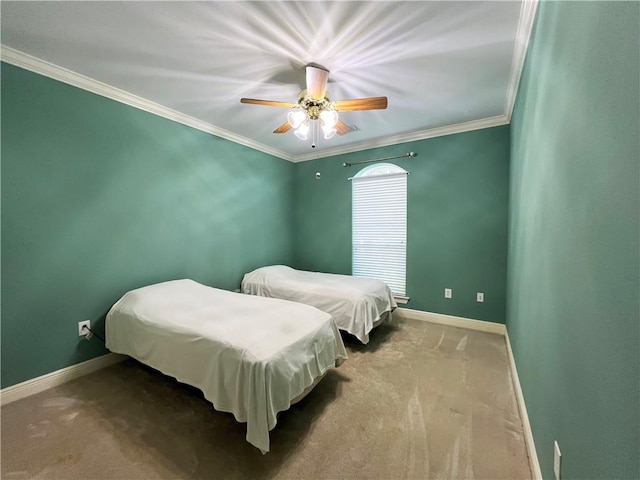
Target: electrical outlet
[
  {"x": 480, "y": 297},
  {"x": 557, "y": 458},
  {"x": 81, "y": 325},
  {"x": 448, "y": 293}
]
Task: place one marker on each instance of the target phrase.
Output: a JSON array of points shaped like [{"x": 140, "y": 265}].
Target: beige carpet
[{"x": 420, "y": 401}]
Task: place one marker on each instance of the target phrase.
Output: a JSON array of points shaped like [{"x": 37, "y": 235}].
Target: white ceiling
[{"x": 445, "y": 66}]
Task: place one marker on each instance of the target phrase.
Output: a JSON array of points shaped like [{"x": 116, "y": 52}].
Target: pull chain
[{"x": 313, "y": 133}]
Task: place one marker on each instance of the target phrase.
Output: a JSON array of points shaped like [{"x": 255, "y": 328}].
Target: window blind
[{"x": 380, "y": 228}]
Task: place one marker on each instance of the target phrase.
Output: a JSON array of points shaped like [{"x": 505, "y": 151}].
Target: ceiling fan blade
[
  {"x": 269, "y": 103},
  {"x": 371, "y": 103},
  {"x": 316, "y": 82},
  {"x": 284, "y": 128},
  {"x": 342, "y": 128}
]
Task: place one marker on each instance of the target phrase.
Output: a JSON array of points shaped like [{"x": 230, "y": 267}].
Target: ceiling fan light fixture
[
  {"x": 296, "y": 117},
  {"x": 302, "y": 131},
  {"x": 329, "y": 118},
  {"x": 329, "y": 132}
]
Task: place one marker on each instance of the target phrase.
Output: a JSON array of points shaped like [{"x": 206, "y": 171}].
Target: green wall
[
  {"x": 100, "y": 198},
  {"x": 457, "y": 219},
  {"x": 573, "y": 315}
]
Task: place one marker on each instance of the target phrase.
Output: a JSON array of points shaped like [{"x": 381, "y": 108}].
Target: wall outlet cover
[
  {"x": 448, "y": 293},
  {"x": 81, "y": 325},
  {"x": 480, "y": 297}
]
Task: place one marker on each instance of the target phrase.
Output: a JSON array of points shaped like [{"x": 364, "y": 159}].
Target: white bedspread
[
  {"x": 356, "y": 304},
  {"x": 249, "y": 355}
]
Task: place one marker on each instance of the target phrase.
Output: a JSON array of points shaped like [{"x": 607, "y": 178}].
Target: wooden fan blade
[
  {"x": 269, "y": 103},
  {"x": 371, "y": 103},
  {"x": 342, "y": 128},
  {"x": 316, "y": 82},
  {"x": 284, "y": 128}
]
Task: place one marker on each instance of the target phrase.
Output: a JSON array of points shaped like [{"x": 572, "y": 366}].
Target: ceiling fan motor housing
[{"x": 312, "y": 106}]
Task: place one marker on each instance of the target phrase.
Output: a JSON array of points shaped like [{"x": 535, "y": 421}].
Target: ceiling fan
[{"x": 314, "y": 103}]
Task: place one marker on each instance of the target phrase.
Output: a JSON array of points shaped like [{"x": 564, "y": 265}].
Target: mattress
[
  {"x": 250, "y": 356},
  {"x": 356, "y": 304}
]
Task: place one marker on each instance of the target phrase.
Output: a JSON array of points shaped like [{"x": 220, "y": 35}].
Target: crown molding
[
  {"x": 525, "y": 25},
  {"x": 408, "y": 137},
  {"x": 47, "y": 69},
  {"x": 528, "y": 10}
]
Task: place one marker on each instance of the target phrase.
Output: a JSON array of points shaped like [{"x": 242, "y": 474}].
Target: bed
[
  {"x": 356, "y": 304},
  {"x": 250, "y": 356}
]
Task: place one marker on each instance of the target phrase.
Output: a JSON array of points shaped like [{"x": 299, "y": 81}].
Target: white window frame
[{"x": 379, "y": 225}]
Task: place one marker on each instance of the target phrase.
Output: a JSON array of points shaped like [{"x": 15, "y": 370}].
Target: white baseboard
[
  {"x": 526, "y": 426},
  {"x": 490, "y": 327},
  {"x": 452, "y": 321},
  {"x": 53, "y": 379}
]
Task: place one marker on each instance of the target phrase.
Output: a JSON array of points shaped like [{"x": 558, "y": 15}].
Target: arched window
[{"x": 379, "y": 236}]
